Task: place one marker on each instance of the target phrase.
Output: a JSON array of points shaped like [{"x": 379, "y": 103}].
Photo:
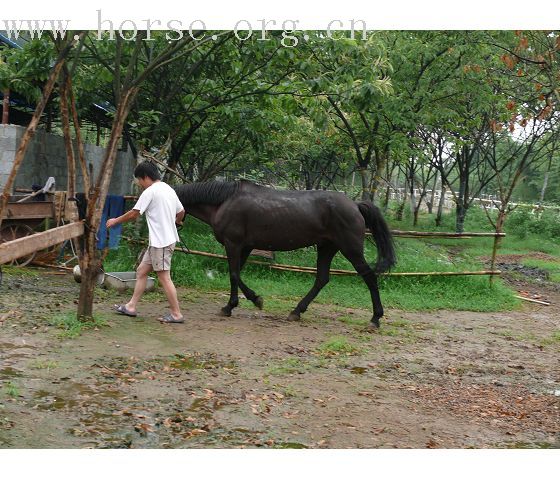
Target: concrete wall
[{"x": 46, "y": 157}]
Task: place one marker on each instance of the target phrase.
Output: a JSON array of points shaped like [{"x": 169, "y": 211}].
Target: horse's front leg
[
  {"x": 248, "y": 292},
  {"x": 234, "y": 261}
]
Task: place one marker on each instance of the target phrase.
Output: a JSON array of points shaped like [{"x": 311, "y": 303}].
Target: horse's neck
[{"x": 204, "y": 213}]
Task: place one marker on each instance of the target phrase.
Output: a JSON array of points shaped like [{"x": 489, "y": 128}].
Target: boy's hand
[{"x": 111, "y": 222}]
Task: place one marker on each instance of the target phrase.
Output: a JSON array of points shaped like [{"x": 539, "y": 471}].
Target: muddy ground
[{"x": 426, "y": 380}]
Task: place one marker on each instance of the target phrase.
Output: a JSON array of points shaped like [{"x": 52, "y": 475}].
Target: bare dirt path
[{"x": 427, "y": 379}]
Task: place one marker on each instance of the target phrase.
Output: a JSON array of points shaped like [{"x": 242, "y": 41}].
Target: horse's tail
[{"x": 386, "y": 257}]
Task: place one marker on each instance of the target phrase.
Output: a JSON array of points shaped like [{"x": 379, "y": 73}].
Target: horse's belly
[{"x": 284, "y": 241}]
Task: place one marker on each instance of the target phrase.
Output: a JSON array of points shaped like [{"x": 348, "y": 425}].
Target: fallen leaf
[{"x": 143, "y": 428}]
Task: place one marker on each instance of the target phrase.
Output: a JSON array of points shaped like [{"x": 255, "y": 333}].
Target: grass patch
[
  {"x": 286, "y": 390},
  {"x": 288, "y": 366},
  {"x": 11, "y": 390},
  {"x": 72, "y": 327},
  {"x": 553, "y": 339},
  {"x": 338, "y": 345},
  {"x": 43, "y": 364},
  {"x": 354, "y": 320},
  {"x": 19, "y": 272},
  {"x": 278, "y": 305},
  {"x": 402, "y": 329}
]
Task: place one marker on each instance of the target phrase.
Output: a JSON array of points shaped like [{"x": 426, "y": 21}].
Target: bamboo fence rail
[{"x": 396, "y": 233}]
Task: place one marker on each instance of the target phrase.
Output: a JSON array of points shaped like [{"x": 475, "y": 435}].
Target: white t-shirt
[{"x": 161, "y": 205}]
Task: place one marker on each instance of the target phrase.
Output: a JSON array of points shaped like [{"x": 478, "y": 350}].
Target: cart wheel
[{"x": 13, "y": 232}]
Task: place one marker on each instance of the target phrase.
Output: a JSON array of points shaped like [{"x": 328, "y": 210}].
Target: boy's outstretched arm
[{"x": 127, "y": 217}]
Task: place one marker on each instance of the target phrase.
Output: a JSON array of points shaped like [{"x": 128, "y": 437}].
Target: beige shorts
[{"x": 159, "y": 258}]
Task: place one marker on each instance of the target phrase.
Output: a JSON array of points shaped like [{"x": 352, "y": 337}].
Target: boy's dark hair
[{"x": 147, "y": 169}]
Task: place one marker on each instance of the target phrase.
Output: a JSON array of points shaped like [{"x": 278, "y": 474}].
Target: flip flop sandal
[
  {"x": 168, "y": 318},
  {"x": 123, "y": 310}
]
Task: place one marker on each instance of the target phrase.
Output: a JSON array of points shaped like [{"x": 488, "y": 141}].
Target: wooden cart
[
  {"x": 19, "y": 240},
  {"x": 22, "y": 218}
]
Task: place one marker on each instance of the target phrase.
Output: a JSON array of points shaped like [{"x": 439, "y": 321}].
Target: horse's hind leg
[
  {"x": 325, "y": 254},
  {"x": 249, "y": 294},
  {"x": 356, "y": 258}
]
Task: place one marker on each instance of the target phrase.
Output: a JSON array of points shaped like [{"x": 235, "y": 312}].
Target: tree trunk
[
  {"x": 415, "y": 216},
  {"x": 439, "y": 216},
  {"x": 412, "y": 193},
  {"x": 382, "y": 161},
  {"x": 365, "y": 184},
  {"x": 543, "y": 189},
  {"x": 464, "y": 190},
  {"x": 502, "y": 213},
  {"x": 432, "y": 196},
  {"x": 400, "y": 210},
  {"x": 79, "y": 141},
  {"x": 6, "y": 107},
  {"x": 90, "y": 263},
  {"x": 387, "y": 197},
  {"x": 71, "y": 181},
  {"x": 461, "y": 213}
]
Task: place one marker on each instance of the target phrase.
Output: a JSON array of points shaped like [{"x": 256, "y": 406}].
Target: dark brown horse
[{"x": 245, "y": 216}]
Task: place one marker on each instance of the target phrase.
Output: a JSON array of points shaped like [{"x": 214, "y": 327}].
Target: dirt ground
[{"x": 426, "y": 380}]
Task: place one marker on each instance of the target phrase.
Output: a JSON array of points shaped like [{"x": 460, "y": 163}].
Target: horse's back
[{"x": 287, "y": 219}]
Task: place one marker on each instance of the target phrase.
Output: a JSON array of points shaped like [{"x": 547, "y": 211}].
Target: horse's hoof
[
  {"x": 259, "y": 302},
  {"x": 374, "y": 325},
  {"x": 293, "y": 317},
  {"x": 225, "y": 312}
]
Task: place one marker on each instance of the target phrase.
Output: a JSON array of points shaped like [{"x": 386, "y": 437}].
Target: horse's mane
[{"x": 210, "y": 193}]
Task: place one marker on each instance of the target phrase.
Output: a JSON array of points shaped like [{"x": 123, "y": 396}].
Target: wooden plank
[
  {"x": 30, "y": 210},
  {"x": 532, "y": 300},
  {"x": 24, "y": 246}
]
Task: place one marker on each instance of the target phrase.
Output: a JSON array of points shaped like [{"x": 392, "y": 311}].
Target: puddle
[
  {"x": 9, "y": 372},
  {"x": 11, "y": 346},
  {"x": 52, "y": 401},
  {"x": 225, "y": 438},
  {"x": 77, "y": 394},
  {"x": 532, "y": 445},
  {"x": 289, "y": 445},
  {"x": 205, "y": 407},
  {"x": 200, "y": 362}
]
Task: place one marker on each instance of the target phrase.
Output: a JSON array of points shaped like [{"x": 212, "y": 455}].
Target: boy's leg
[
  {"x": 164, "y": 278},
  {"x": 141, "y": 280}
]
